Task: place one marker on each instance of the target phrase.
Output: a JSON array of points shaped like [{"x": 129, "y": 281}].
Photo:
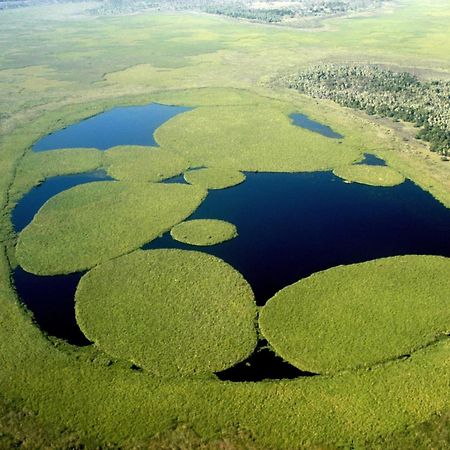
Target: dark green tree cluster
[
  {"x": 267, "y": 11},
  {"x": 270, "y": 15},
  {"x": 398, "y": 95}
]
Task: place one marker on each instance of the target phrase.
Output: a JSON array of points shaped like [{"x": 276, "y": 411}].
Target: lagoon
[
  {"x": 128, "y": 125},
  {"x": 289, "y": 225}
]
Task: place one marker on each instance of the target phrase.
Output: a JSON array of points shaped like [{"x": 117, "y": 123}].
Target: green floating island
[
  {"x": 253, "y": 138},
  {"x": 140, "y": 163},
  {"x": 91, "y": 223},
  {"x": 371, "y": 175},
  {"x": 203, "y": 232},
  {"x": 359, "y": 315},
  {"x": 171, "y": 312},
  {"x": 214, "y": 177}
]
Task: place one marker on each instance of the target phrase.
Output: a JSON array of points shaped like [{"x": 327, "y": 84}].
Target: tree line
[{"x": 268, "y": 11}]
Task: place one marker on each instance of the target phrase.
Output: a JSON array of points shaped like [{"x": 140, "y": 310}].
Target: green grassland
[
  {"x": 58, "y": 67},
  {"x": 170, "y": 312},
  {"x": 359, "y": 315},
  {"x": 252, "y": 139},
  {"x": 36, "y": 167},
  {"x": 203, "y": 232},
  {"x": 91, "y": 223},
  {"x": 371, "y": 175},
  {"x": 214, "y": 177},
  {"x": 137, "y": 163}
]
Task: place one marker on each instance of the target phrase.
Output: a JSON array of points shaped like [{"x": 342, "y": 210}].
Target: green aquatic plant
[
  {"x": 371, "y": 175},
  {"x": 171, "y": 312},
  {"x": 203, "y": 232},
  {"x": 214, "y": 177},
  {"x": 91, "y": 223},
  {"x": 138, "y": 163},
  {"x": 360, "y": 315},
  {"x": 35, "y": 167},
  {"x": 253, "y": 138}
]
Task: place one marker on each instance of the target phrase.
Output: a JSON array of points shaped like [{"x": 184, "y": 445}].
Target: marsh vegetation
[
  {"x": 169, "y": 384},
  {"x": 203, "y": 232}
]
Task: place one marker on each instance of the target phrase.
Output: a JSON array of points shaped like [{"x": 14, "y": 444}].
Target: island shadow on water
[{"x": 289, "y": 225}]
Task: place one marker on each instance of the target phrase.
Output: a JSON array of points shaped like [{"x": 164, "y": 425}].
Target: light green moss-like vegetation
[
  {"x": 203, "y": 232},
  {"x": 214, "y": 177},
  {"x": 138, "y": 163},
  {"x": 206, "y": 96},
  {"x": 36, "y": 167},
  {"x": 252, "y": 139},
  {"x": 371, "y": 175},
  {"x": 91, "y": 223},
  {"x": 360, "y": 315},
  {"x": 171, "y": 312}
]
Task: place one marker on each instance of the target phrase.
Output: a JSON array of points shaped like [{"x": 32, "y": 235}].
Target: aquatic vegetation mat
[
  {"x": 138, "y": 163},
  {"x": 253, "y": 138},
  {"x": 36, "y": 167},
  {"x": 214, "y": 177},
  {"x": 360, "y": 315},
  {"x": 203, "y": 232},
  {"x": 91, "y": 223},
  {"x": 370, "y": 174},
  {"x": 171, "y": 312}
]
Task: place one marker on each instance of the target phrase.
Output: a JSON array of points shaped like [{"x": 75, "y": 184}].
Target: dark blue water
[
  {"x": 51, "y": 300},
  {"x": 263, "y": 364},
  {"x": 302, "y": 120},
  {"x": 29, "y": 205},
  {"x": 292, "y": 225},
  {"x": 130, "y": 125},
  {"x": 372, "y": 160}
]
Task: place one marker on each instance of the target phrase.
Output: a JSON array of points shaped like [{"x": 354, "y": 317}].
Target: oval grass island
[
  {"x": 214, "y": 177},
  {"x": 369, "y": 174},
  {"x": 91, "y": 223},
  {"x": 171, "y": 312},
  {"x": 360, "y": 315},
  {"x": 138, "y": 163},
  {"x": 203, "y": 232}
]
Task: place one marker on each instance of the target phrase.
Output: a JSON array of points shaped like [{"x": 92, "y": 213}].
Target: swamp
[{"x": 216, "y": 232}]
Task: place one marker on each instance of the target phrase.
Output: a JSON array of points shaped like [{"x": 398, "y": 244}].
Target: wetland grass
[
  {"x": 91, "y": 223},
  {"x": 203, "y": 232},
  {"x": 370, "y": 174},
  {"x": 171, "y": 312},
  {"x": 360, "y": 315},
  {"x": 214, "y": 177},
  {"x": 136, "y": 163}
]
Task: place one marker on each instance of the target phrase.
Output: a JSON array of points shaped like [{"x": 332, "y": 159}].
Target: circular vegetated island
[
  {"x": 360, "y": 315},
  {"x": 204, "y": 232},
  {"x": 138, "y": 163},
  {"x": 372, "y": 175},
  {"x": 171, "y": 312},
  {"x": 88, "y": 224},
  {"x": 214, "y": 177}
]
